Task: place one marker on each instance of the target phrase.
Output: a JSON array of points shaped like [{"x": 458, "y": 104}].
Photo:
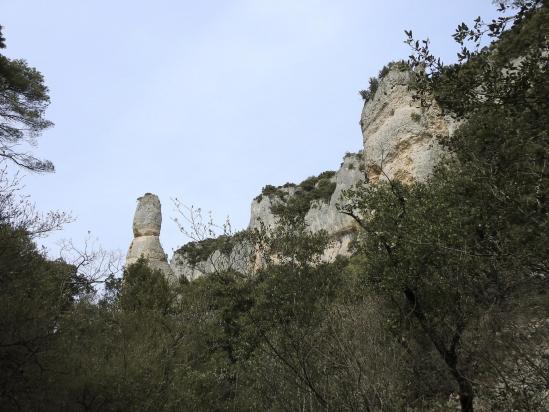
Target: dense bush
[
  {"x": 200, "y": 251},
  {"x": 467, "y": 248}
]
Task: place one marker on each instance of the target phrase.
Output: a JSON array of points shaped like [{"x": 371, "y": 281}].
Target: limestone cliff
[
  {"x": 220, "y": 254},
  {"x": 323, "y": 214},
  {"x": 321, "y": 194},
  {"x": 400, "y": 141},
  {"x": 400, "y": 137}
]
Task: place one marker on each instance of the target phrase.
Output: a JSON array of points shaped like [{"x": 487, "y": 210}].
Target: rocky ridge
[
  {"x": 400, "y": 141},
  {"x": 323, "y": 194}
]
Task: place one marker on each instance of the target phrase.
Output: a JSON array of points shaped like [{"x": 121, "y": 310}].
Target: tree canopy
[
  {"x": 443, "y": 303},
  {"x": 23, "y": 102}
]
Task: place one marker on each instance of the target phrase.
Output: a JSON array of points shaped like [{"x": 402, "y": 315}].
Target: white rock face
[
  {"x": 321, "y": 216},
  {"x": 261, "y": 209},
  {"x": 145, "y": 246},
  {"x": 239, "y": 259},
  {"x": 326, "y": 216},
  {"x": 147, "y": 220},
  {"x": 147, "y": 223},
  {"x": 400, "y": 138},
  {"x": 400, "y": 142},
  {"x": 339, "y": 245}
]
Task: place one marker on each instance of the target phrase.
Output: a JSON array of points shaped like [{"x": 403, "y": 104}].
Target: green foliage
[
  {"x": 373, "y": 85},
  {"x": 272, "y": 191},
  {"x": 328, "y": 174},
  {"x": 467, "y": 248},
  {"x": 314, "y": 188},
  {"x": 371, "y": 91},
  {"x": 23, "y": 101},
  {"x": 222, "y": 342},
  {"x": 200, "y": 251},
  {"x": 416, "y": 117},
  {"x": 311, "y": 324},
  {"x": 120, "y": 354},
  {"x": 144, "y": 289},
  {"x": 447, "y": 291},
  {"x": 399, "y": 65},
  {"x": 355, "y": 156},
  {"x": 34, "y": 294},
  {"x": 488, "y": 72},
  {"x": 350, "y": 154},
  {"x": 383, "y": 72},
  {"x": 2, "y": 40}
]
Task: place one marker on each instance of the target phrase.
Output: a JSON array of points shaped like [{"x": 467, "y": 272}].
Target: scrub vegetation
[{"x": 443, "y": 304}]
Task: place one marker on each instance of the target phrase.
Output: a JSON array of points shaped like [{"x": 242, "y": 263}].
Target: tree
[
  {"x": 461, "y": 252},
  {"x": 34, "y": 293},
  {"x": 23, "y": 101}
]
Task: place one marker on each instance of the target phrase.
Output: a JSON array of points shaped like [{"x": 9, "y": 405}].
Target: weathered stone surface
[
  {"x": 164, "y": 267},
  {"x": 326, "y": 216},
  {"x": 321, "y": 216},
  {"x": 238, "y": 259},
  {"x": 400, "y": 138},
  {"x": 400, "y": 142},
  {"x": 261, "y": 209},
  {"x": 145, "y": 246},
  {"x": 147, "y": 220},
  {"x": 339, "y": 245},
  {"x": 146, "y": 228}
]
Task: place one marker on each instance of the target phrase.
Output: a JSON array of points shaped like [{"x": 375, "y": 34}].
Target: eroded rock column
[{"x": 147, "y": 223}]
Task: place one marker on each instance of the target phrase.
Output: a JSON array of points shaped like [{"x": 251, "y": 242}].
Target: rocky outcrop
[
  {"x": 400, "y": 142},
  {"x": 323, "y": 213},
  {"x": 147, "y": 220},
  {"x": 324, "y": 194},
  {"x": 147, "y": 223},
  {"x": 226, "y": 254},
  {"x": 400, "y": 137}
]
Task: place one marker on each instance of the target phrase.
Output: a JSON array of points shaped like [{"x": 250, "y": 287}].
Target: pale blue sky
[{"x": 207, "y": 101}]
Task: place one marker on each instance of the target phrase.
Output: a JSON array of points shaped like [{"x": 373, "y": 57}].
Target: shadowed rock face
[{"x": 147, "y": 223}]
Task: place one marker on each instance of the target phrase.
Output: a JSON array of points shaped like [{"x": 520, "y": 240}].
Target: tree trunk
[
  {"x": 465, "y": 394},
  {"x": 449, "y": 355}
]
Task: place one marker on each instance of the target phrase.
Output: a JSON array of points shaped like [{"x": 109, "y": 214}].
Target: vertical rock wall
[
  {"x": 400, "y": 138},
  {"x": 400, "y": 142},
  {"x": 323, "y": 215}
]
